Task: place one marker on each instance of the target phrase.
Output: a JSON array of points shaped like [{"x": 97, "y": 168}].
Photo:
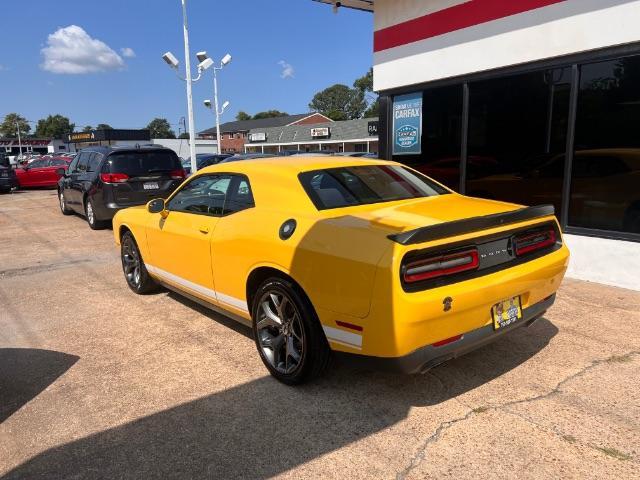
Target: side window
[
  {"x": 203, "y": 195},
  {"x": 94, "y": 162},
  {"x": 38, "y": 164},
  {"x": 74, "y": 164},
  {"x": 240, "y": 196},
  {"x": 83, "y": 162}
]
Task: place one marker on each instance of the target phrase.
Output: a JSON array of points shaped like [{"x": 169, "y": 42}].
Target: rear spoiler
[{"x": 468, "y": 225}]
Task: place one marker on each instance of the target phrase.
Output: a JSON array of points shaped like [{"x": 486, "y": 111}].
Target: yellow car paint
[{"x": 342, "y": 258}]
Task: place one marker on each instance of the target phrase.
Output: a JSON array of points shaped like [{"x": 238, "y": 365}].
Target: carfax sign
[{"x": 407, "y": 124}]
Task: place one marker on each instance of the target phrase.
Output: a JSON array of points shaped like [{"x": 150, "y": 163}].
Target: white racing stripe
[
  {"x": 207, "y": 292},
  {"x": 348, "y": 339},
  {"x": 341, "y": 337}
]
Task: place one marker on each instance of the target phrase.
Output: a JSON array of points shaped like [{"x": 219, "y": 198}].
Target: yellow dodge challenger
[{"x": 364, "y": 259}]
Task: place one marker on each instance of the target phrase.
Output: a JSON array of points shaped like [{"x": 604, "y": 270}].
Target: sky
[{"x": 100, "y": 61}]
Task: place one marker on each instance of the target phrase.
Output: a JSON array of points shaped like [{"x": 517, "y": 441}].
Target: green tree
[
  {"x": 243, "y": 116},
  {"x": 54, "y": 126},
  {"x": 270, "y": 114},
  {"x": 87, "y": 128},
  {"x": 104, "y": 126},
  {"x": 339, "y": 102},
  {"x": 160, "y": 128},
  {"x": 364, "y": 85},
  {"x": 184, "y": 136},
  {"x": 8, "y": 126}
]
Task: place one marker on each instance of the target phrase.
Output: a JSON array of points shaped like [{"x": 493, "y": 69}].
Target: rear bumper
[
  {"x": 7, "y": 183},
  {"x": 429, "y": 356}
]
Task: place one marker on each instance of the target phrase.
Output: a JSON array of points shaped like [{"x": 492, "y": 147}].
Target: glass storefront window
[
  {"x": 517, "y": 137},
  {"x": 605, "y": 179},
  {"x": 441, "y": 134}
]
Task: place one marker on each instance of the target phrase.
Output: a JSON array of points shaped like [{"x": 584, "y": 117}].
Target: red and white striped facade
[{"x": 418, "y": 41}]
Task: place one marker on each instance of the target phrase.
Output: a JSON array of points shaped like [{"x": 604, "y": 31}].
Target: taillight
[
  {"x": 114, "y": 177},
  {"x": 532, "y": 241},
  {"x": 441, "y": 265},
  {"x": 178, "y": 174}
]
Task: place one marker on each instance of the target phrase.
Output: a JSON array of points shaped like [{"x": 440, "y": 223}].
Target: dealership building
[{"x": 529, "y": 101}]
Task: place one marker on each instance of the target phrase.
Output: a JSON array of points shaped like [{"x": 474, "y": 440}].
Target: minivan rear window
[{"x": 139, "y": 164}]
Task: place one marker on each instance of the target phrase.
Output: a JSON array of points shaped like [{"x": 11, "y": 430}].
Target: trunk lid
[{"x": 149, "y": 174}]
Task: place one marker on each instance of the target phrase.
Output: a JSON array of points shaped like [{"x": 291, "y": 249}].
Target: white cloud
[
  {"x": 127, "y": 52},
  {"x": 71, "y": 50},
  {"x": 287, "y": 69}
]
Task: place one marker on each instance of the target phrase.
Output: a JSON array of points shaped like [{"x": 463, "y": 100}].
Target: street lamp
[
  {"x": 202, "y": 56},
  {"x": 173, "y": 62},
  {"x": 19, "y": 139}
]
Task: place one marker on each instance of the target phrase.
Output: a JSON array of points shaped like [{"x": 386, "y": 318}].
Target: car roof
[
  {"x": 108, "y": 150},
  {"x": 294, "y": 164}
]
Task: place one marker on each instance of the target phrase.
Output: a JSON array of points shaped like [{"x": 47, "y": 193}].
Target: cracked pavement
[{"x": 96, "y": 382}]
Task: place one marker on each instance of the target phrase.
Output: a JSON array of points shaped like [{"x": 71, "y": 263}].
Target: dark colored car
[
  {"x": 204, "y": 160},
  {"x": 8, "y": 178},
  {"x": 247, "y": 156},
  {"x": 102, "y": 180},
  {"x": 44, "y": 172}
]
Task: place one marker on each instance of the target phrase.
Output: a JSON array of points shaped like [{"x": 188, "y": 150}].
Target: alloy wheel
[
  {"x": 280, "y": 331},
  {"x": 63, "y": 205},
  {"x": 90, "y": 215},
  {"x": 131, "y": 262}
]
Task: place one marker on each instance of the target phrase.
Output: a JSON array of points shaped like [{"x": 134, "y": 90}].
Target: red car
[{"x": 42, "y": 172}]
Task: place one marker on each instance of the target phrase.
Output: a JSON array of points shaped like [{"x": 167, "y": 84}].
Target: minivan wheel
[
  {"x": 90, "y": 214},
  {"x": 288, "y": 335},
  {"x": 135, "y": 272},
  {"x": 63, "y": 203}
]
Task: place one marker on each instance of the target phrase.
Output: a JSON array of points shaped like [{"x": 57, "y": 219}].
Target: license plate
[
  {"x": 4, "y": 175},
  {"x": 506, "y": 312},
  {"x": 151, "y": 186}
]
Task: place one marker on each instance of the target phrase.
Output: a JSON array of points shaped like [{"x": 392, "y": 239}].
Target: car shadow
[
  {"x": 25, "y": 372},
  {"x": 262, "y": 428}
]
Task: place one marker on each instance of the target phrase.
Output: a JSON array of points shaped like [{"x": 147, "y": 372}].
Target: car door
[
  {"x": 66, "y": 181},
  {"x": 33, "y": 174},
  {"x": 179, "y": 242},
  {"x": 76, "y": 182},
  {"x": 241, "y": 227},
  {"x": 50, "y": 175}
]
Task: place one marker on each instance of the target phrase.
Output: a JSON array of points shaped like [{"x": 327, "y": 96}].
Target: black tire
[
  {"x": 133, "y": 267},
  {"x": 632, "y": 220},
  {"x": 300, "y": 332},
  {"x": 89, "y": 214},
  {"x": 63, "y": 204}
]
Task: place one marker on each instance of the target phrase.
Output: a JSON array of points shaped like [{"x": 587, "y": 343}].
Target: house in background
[{"x": 236, "y": 134}]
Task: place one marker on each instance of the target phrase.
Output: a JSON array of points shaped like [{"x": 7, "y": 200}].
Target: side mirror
[
  {"x": 61, "y": 172},
  {"x": 156, "y": 206}
]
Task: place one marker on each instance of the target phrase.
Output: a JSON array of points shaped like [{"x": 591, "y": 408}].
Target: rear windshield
[
  {"x": 361, "y": 185},
  {"x": 138, "y": 164}
]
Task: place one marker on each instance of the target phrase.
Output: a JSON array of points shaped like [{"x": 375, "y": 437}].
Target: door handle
[{"x": 204, "y": 229}]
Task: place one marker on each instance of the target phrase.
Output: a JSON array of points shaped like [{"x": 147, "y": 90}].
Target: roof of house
[
  {"x": 346, "y": 130},
  {"x": 246, "y": 125}
]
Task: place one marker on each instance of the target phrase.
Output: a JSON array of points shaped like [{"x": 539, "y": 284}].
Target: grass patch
[
  {"x": 612, "y": 452},
  {"x": 620, "y": 359},
  {"x": 480, "y": 409}
]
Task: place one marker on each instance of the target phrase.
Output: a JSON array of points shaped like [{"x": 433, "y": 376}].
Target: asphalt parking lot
[{"x": 96, "y": 382}]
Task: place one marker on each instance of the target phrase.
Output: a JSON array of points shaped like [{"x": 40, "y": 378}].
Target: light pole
[
  {"x": 19, "y": 139},
  {"x": 173, "y": 62},
  {"x": 202, "y": 56}
]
